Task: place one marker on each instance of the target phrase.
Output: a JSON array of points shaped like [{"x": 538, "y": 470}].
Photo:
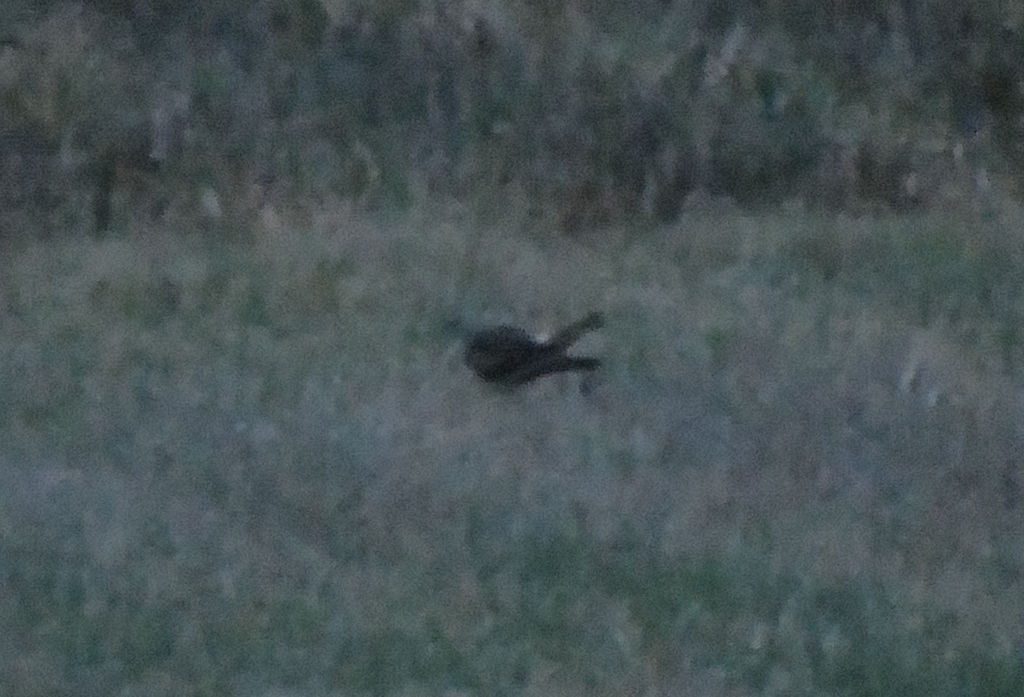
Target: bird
[{"x": 509, "y": 356}]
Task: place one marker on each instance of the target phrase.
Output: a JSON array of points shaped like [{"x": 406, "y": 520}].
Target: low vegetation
[{"x": 262, "y": 466}]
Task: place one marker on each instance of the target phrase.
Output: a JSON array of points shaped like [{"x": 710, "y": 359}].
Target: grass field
[{"x": 260, "y": 468}]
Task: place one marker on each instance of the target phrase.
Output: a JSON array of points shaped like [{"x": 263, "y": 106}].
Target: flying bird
[{"x": 510, "y": 357}]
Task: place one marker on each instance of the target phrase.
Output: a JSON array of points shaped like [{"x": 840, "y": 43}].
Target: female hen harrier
[{"x": 511, "y": 357}]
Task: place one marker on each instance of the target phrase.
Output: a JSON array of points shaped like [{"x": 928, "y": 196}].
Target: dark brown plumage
[{"x": 509, "y": 356}]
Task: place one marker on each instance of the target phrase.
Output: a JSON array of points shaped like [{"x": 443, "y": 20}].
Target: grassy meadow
[
  {"x": 241, "y": 244},
  {"x": 260, "y": 468}
]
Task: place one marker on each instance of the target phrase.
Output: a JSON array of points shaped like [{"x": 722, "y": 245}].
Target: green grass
[{"x": 257, "y": 467}]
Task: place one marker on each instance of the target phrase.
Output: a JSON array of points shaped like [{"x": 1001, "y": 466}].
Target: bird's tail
[
  {"x": 551, "y": 365},
  {"x": 571, "y": 334}
]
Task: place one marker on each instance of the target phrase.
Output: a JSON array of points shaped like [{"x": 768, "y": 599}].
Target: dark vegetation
[{"x": 600, "y": 112}]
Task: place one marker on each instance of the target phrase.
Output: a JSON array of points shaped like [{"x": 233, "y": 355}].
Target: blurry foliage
[{"x": 597, "y": 111}]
